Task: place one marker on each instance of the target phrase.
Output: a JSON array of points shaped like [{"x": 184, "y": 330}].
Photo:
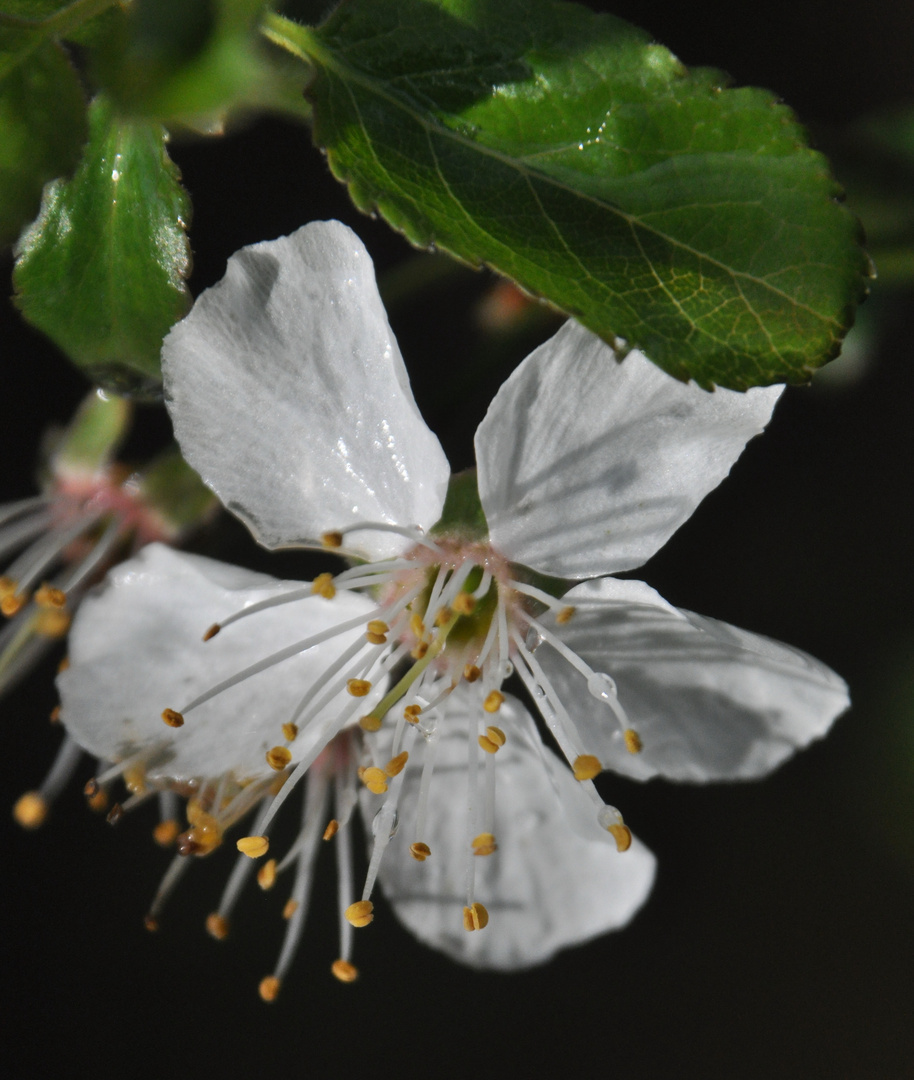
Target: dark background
[{"x": 778, "y": 940}]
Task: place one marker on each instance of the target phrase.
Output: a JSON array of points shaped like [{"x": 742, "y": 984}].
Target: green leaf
[
  {"x": 189, "y": 61},
  {"x": 572, "y": 154},
  {"x": 102, "y": 269},
  {"x": 42, "y": 124}
]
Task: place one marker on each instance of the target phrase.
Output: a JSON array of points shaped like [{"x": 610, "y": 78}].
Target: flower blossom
[
  {"x": 91, "y": 512},
  {"x": 290, "y": 398}
]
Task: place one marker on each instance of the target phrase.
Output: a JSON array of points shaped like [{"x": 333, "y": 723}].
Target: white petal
[
  {"x": 289, "y": 396},
  {"x": 545, "y": 887},
  {"x": 136, "y": 648},
  {"x": 587, "y": 466},
  {"x": 709, "y": 701}
]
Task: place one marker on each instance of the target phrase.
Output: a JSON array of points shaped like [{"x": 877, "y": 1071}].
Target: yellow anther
[
  {"x": 217, "y": 926},
  {"x": 565, "y": 615},
  {"x": 419, "y": 650},
  {"x": 419, "y": 851},
  {"x": 344, "y": 971},
  {"x": 484, "y": 844},
  {"x": 586, "y": 767},
  {"x": 115, "y": 814},
  {"x": 464, "y": 603},
  {"x": 166, "y": 832},
  {"x": 269, "y": 988},
  {"x": 135, "y": 780},
  {"x": 266, "y": 875},
  {"x": 358, "y": 687},
  {"x": 443, "y": 616},
  {"x": 323, "y": 586},
  {"x": 622, "y": 834},
  {"x": 416, "y": 625},
  {"x": 7, "y": 587},
  {"x": 205, "y": 834},
  {"x": 332, "y": 539},
  {"x": 291, "y": 906},
  {"x": 475, "y": 917},
  {"x": 30, "y": 810},
  {"x": 494, "y": 700},
  {"x": 360, "y": 913},
  {"x": 411, "y": 713},
  {"x": 54, "y": 716},
  {"x": 52, "y": 622},
  {"x": 378, "y": 626},
  {"x": 493, "y": 740},
  {"x": 279, "y": 757},
  {"x": 396, "y": 764},
  {"x": 211, "y": 633},
  {"x": 633, "y": 743},
  {"x": 151, "y": 923},
  {"x": 333, "y": 827},
  {"x": 172, "y": 718},
  {"x": 471, "y": 672},
  {"x": 375, "y": 639},
  {"x": 375, "y": 780},
  {"x": 253, "y": 846},
  {"x": 98, "y": 800},
  {"x": 49, "y": 597},
  {"x": 290, "y": 731},
  {"x": 12, "y": 603},
  {"x": 370, "y": 722}
]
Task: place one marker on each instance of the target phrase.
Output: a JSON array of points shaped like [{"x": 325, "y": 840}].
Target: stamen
[
  {"x": 622, "y": 835},
  {"x": 360, "y": 913},
  {"x": 279, "y": 757},
  {"x": 565, "y": 615},
  {"x": 586, "y": 767},
  {"x": 332, "y": 539},
  {"x": 323, "y": 586},
  {"x": 173, "y": 718},
  {"x": 471, "y": 673},
  {"x": 32, "y": 808},
  {"x": 50, "y": 597},
  {"x": 374, "y": 779},
  {"x": 411, "y": 714},
  {"x": 493, "y": 702},
  {"x": 344, "y": 971},
  {"x": 475, "y": 917},
  {"x": 253, "y": 846},
  {"x": 290, "y": 732},
  {"x": 269, "y": 988},
  {"x": 333, "y": 827},
  {"x": 484, "y": 844},
  {"x": 633, "y": 742},
  {"x": 358, "y": 687},
  {"x": 419, "y": 851},
  {"x": 396, "y": 764},
  {"x": 289, "y": 909},
  {"x": 217, "y": 926},
  {"x": 266, "y": 875},
  {"x": 166, "y": 832},
  {"x": 414, "y": 534},
  {"x": 288, "y": 597},
  {"x": 493, "y": 740}
]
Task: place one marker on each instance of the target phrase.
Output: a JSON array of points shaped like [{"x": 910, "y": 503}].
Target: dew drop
[
  {"x": 608, "y": 816},
  {"x": 380, "y": 820},
  {"x": 602, "y": 687},
  {"x": 428, "y": 725},
  {"x": 507, "y": 671}
]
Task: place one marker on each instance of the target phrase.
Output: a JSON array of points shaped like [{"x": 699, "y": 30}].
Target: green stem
[
  {"x": 62, "y": 22},
  {"x": 399, "y": 691},
  {"x": 296, "y": 39}
]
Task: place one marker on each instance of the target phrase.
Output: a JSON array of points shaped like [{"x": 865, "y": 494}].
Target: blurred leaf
[
  {"x": 571, "y": 154},
  {"x": 42, "y": 124},
  {"x": 189, "y": 61},
  {"x": 102, "y": 269}
]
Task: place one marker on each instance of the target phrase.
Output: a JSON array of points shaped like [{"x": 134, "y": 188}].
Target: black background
[{"x": 778, "y": 941}]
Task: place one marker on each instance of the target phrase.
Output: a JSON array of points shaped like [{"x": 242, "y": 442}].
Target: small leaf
[
  {"x": 42, "y": 124},
  {"x": 102, "y": 269},
  {"x": 572, "y": 154}
]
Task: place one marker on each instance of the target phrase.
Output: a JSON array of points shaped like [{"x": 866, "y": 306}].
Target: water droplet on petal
[{"x": 609, "y": 816}]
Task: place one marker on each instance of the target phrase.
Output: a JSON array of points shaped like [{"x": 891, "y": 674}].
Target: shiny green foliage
[
  {"x": 101, "y": 271},
  {"x": 572, "y": 154}
]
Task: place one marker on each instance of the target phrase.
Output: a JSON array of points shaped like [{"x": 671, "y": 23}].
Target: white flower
[{"x": 290, "y": 397}]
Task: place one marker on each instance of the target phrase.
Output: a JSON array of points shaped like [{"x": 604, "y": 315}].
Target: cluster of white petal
[{"x": 290, "y": 397}]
